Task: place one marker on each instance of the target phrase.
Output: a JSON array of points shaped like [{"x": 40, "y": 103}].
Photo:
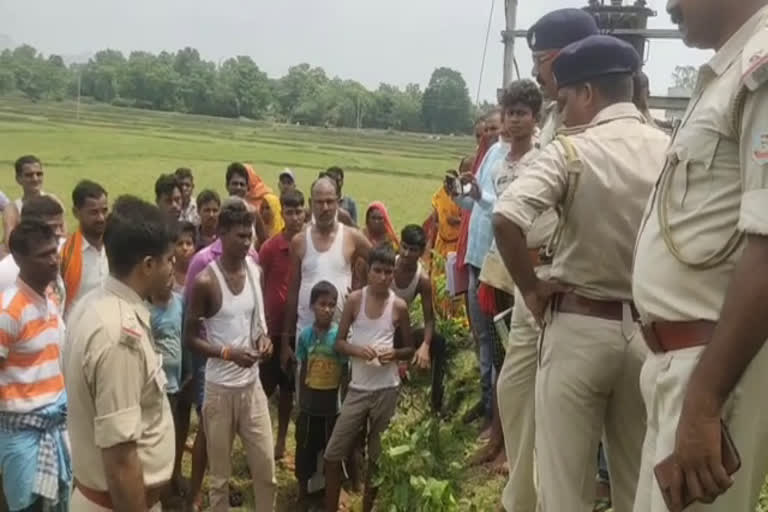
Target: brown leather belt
[
  {"x": 605, "y": 309},
  {"x": 665, "y": 336},
  {"x": 104, "y": 500}
]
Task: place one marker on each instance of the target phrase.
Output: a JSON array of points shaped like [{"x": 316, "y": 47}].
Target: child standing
[
  {"x": 166, "y": 313},
  {"x": 321, "y": 368},
  {"x": 370, "y": 318},
  {"x": 186, "y": 243}
]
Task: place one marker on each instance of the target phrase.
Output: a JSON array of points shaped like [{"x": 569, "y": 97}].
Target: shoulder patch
[
  {"x": 760, "y": 148},
  {"x": 754, "y": 60},
  {"x": 130, "y": 329}
]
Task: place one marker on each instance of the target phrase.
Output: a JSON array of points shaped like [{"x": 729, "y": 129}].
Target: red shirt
[{"x": 276, "y": 263}]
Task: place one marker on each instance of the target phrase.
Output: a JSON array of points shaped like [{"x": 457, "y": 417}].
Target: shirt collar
[
  {"x": 129, "y": 295},
  {"x": 27, "y": 290},
  {"x": 617, "y": 111},
  {"x": 731, "y": 50},
  {"x": 87, "y": 245}
]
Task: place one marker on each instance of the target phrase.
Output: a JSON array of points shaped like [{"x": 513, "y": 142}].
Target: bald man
[{"x": 325, "y": 250}]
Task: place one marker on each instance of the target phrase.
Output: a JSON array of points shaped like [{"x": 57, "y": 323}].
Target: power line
[{"x": 485, "y": 51}]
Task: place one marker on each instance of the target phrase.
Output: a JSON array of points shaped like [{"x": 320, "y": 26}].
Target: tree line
[{"x": 184, "y": 82}]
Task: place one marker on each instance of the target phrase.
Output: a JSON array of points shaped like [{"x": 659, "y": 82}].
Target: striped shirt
[{"x": 31, "y": 333}]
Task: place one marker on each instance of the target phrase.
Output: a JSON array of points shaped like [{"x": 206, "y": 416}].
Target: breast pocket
[{"x": 693, "y": 180}]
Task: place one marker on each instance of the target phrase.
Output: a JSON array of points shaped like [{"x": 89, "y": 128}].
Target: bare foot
[
  {"x": 486, "y": 454},
  {"x": 279, "y": 450},
  {"x": 499, "y": 464},
  {"x": 485, "y": 435}
]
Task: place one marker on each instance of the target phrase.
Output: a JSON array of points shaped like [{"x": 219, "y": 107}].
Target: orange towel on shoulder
[
  {"x": 257, "y": 189},
  {"x": 72, "y": 266}
]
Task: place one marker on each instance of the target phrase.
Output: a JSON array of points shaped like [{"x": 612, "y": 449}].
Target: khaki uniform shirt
[
  {"x": 115, "y": 386},
  {"x": 621, "y": 157},
  {"x": 713, "y": 188}
]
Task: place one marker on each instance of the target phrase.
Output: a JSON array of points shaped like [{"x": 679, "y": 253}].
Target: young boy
[
  {"x": 188, "y": 207},
  {"x": 321, "y": 368},
  {"x": 369, "y": 320},
  {"x": 166, "y": 312},
  {"x": 275, "y": 261},
  {"x": 410, "y": 281},
  {"x": 186, "y": 244}
]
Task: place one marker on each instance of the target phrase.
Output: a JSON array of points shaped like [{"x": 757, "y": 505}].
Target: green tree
[
  {"x": 249, "y": 85},
  {"x": 685, "y": 77},
  {"x": 446, "y": 104}
]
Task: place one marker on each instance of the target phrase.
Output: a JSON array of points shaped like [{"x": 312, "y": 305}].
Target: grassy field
[{"x": 125, "y": 150}]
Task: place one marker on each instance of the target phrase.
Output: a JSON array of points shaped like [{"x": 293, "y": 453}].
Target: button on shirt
[
  {"x": 714, "y": 187},
  {"x": 480, "y": 227},
  {"x": 622, "y": 157},
  {"x": 116, "y": 386}
]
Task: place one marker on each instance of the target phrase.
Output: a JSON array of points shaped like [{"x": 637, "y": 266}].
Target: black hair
[
  {"x": 41, "y": 207},
  {"x": 29, "y": 233},
  {"x": 236, "y": 168},
  {"x": 413, "y": 234},
  {"x": 524, "y": 92},
  {"x": 324, "y": 176},
  {"x": 165, "y": 184},
  {"x": 185, "y": 227},
  {"x": 25, "y": 160},
  {"x": 234, "y": 212},
  {"x": 614, "y": 88},
  {"x": 292, "y": 199},
  {"x": 183, "y": 173},
  {"x": 135, "y": 230},
  {"x": 86, "y": 189},
  {"x": 206, "y": 196},
  {"x": 322, "y": 289},
  {"x": 335, "y": 170},
  {"x": 383, "y": 254}
]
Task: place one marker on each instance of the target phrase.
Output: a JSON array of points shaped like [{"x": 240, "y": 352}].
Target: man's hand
[
  {"x": 287, "y": 357},
  {"x": 698, "y": 453},
  {"x": 474, "y": 191},
  {"x": 243, "y": 358},
  {"x": 387, "y": 355},
  {"x": 422, "y": 358},
  {"x": 367, "y": 352},
  {"x": 540, "y": 296},
  {"x": 264, "y": 347}
]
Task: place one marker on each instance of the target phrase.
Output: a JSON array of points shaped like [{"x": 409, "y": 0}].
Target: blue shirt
[
  {"x": 480, "y": 226},
  {"x": 166, "y": 330},
  {"x": 322, "y": 370}
]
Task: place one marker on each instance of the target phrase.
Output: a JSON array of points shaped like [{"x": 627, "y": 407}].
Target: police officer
[
  {"x": 517, "y": 377},
  {"x": 546, "y": 38},
  {"x": 119, "y": 419},
  {"x": 599, "y": 175},
  {"x": 700, "y": 275}
]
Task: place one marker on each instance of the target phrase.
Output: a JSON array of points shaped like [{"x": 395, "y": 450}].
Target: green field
[{"x": 126, "y": 149}]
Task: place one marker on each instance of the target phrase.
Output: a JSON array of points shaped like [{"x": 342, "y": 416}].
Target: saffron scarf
[
  {"x": 257, "y": 189},
  {"x": 277, "y": 224},
  {"x": 391, "y": 234},
  {"x": 72, "y": 266}
]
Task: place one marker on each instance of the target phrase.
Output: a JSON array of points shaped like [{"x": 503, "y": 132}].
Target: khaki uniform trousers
[
  {"x": 516, "y": 391},
  {"x": 663, "y": 381},
  {"x": 79, "y": 503},
  {"x": 588, "y": 383},
  {"x": 245, "y": 412}
]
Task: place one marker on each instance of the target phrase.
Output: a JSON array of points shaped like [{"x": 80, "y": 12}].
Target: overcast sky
[{"x": 394, "y": 41}]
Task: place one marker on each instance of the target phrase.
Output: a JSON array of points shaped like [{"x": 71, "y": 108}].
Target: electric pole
[{"x": 510, "y": 11}]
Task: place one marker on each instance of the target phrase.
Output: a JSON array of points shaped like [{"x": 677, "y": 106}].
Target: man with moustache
[{"x": 700, "y": 276}]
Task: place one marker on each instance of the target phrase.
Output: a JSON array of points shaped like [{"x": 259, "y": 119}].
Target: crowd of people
[{"x": 621, "y": 357}]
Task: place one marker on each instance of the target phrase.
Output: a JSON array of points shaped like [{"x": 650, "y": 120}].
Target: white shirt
[{"x": 95, "y": 270}]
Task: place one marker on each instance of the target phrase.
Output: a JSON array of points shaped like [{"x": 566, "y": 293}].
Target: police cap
[
  {"x": 592, "y": 57},
  {"x": 560, "y": 28}
]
